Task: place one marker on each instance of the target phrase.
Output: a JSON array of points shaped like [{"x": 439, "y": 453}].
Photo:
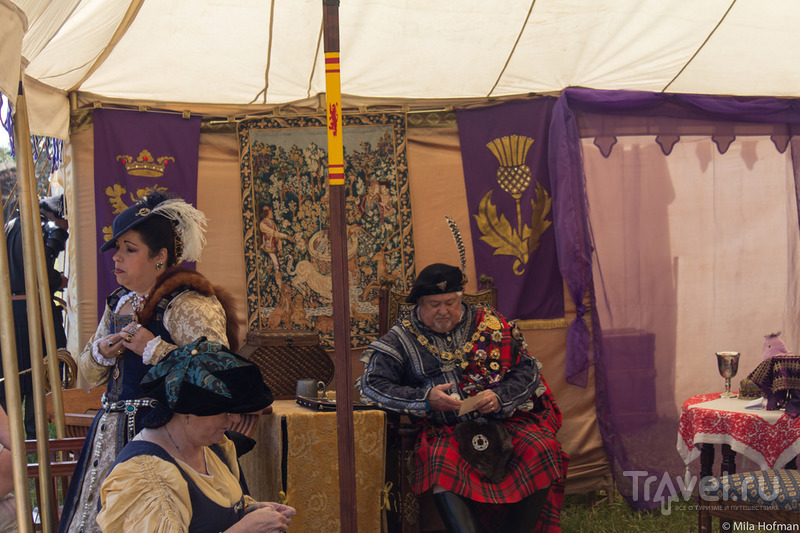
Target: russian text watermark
[{"x": 665, "y": 490}]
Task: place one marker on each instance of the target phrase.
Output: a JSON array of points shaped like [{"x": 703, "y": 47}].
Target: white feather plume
[{"x": 190, "y": 223}]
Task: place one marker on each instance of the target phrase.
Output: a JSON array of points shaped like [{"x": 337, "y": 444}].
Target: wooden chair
[
  {"x": 63, "y": 458},
  {"x": 68, "y": 367},
  {"x": 762, "y": 497},
  {"x": 404, "y": 516},
  {"x": 80, "y": 407}
]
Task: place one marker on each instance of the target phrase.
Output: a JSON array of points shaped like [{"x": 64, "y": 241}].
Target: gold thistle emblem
[
  {"x": 514, "y": 177},
  {"x": 145, "y": 165}
]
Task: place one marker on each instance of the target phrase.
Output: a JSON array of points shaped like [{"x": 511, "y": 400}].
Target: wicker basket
[{"x": 287, "y": 356}]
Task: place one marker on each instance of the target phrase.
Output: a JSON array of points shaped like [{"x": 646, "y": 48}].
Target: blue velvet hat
[{"x": 189, "y": 223}]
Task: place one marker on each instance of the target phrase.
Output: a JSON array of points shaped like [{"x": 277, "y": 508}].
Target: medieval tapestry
[{"x": 285, "y": 211}]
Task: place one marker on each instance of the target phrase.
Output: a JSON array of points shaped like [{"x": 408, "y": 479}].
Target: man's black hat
[
  {"x": 53, "y": 204},
  {"x": 437, "y": 278}
]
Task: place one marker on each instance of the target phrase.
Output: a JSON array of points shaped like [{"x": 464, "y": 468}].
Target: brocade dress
[
  {"x": 179, "y": 317},
  {"x": 482, "y": 352}
]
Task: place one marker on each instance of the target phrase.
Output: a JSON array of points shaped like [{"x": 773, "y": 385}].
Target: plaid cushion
[{"x": 777, "y": 489}]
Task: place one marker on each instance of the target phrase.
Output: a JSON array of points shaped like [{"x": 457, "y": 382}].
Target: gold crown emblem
[{"x": 145, "y": 165}]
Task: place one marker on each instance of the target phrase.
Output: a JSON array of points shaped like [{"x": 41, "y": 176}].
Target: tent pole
[
  {"x": 47, "y": 321},
  {"x": 341, "y": 298},
  {"x": 8, "y": 351},
  {"x": 31, "y": 230}
]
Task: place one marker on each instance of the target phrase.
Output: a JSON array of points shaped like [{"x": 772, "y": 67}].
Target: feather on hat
[{"x": 190, "y": 223}]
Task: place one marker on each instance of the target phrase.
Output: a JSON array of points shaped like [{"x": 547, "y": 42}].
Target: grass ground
[{"x": 616, "y": 516}]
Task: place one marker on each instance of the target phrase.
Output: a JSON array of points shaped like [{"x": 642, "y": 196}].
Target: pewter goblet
[{"x": 728, "y": 366}]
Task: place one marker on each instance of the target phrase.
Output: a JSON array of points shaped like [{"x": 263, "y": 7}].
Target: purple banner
[
  {"x": 504, "y": 152},
  {"x": 134, "y": 153}
]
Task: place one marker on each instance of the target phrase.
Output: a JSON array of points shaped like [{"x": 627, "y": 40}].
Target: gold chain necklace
[{"x": 450, "y": 358}]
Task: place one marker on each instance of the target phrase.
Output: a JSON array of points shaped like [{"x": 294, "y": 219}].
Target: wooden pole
[
  {"x": 48, "y": 326},
  {"x": 8, "y": 349},
  {"x": 32, "y": 230},
  {"x": 341, "y": 298}
]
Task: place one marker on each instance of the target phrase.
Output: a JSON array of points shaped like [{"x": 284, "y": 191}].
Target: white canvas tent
[
  {"x": 231, "y": 59},
  {"x": 269, "y": 52}
]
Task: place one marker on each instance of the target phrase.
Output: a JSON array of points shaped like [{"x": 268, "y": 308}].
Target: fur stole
[{"x": 176, "y": 277}]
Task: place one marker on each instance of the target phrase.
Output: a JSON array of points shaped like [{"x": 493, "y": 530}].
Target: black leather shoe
[
  {"x": 456, "y": 513},
  {"x": 524, "y": 514}
]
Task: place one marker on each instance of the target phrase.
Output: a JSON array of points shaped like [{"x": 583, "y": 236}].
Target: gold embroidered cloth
[{"x": 312, "y": 473}]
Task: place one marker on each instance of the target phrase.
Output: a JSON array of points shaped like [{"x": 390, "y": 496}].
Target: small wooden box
[{"x": 287, "y": 356}]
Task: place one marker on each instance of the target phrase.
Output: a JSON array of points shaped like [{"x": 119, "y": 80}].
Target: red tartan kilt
[{"x": 538, "y": 462}]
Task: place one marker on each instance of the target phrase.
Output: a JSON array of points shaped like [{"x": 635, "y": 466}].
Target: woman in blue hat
[{"x": 157, "y": 307}]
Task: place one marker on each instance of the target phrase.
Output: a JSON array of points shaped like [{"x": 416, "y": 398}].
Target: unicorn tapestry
[{"x": 285, "y": 212}]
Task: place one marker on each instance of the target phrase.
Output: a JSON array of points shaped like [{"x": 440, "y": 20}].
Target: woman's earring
[{"x": 159, "y": 265}]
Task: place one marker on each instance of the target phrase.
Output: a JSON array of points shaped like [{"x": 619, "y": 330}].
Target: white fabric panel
[
  {"x": 209, "y": 51},
  {"x": 754, "y": 52},
  {"x": 82, "y": 37},
  {"x": 48, "y": 113},
  {"x": 631, "y": 45},
  {"x": 182, "y": 51},
  {"x": 424, "y": 49},
  {"x": 46, "y": 18},
  {"x": 12, "y": 29}
]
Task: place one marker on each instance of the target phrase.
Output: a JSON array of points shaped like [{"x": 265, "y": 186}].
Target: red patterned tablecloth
[{"x": 769, "y": 438}]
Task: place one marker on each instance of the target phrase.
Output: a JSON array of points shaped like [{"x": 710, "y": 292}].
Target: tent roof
[{"x": 240, "y": 52}]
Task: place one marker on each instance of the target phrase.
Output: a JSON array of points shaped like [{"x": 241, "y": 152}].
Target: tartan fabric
[
  {"x": 403, "y": 366},
  {"x": 538, "y": 461}
]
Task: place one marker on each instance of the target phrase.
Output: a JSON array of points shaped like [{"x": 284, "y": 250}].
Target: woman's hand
[
  {"x": 111, "y": 346},
  {"x": 135, "y": 337},
  {"x": 267, "y": 517}
]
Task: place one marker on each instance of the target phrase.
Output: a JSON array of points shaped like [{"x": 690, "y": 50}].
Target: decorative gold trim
[{"x": 550, "y": 323}]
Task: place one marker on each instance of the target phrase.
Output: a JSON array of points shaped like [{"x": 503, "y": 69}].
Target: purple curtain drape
[{"x": 602, "y": 114}]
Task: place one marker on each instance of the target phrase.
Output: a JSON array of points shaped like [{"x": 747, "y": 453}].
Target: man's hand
[
  {"x": 440, "y": 400},
  {"x": 488, "y": 403}
]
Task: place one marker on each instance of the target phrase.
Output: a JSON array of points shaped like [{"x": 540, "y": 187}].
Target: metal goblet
[{"x": 728, "y": 366}]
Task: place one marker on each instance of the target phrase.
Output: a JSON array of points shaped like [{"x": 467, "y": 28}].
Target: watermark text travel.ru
[{"x": 646, "y": 487}]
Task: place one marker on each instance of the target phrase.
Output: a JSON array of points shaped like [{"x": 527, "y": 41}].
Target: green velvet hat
[{"x": 204, "y": 378}]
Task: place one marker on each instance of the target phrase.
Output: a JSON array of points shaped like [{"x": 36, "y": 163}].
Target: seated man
[{"x": 504, "y": 451}]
